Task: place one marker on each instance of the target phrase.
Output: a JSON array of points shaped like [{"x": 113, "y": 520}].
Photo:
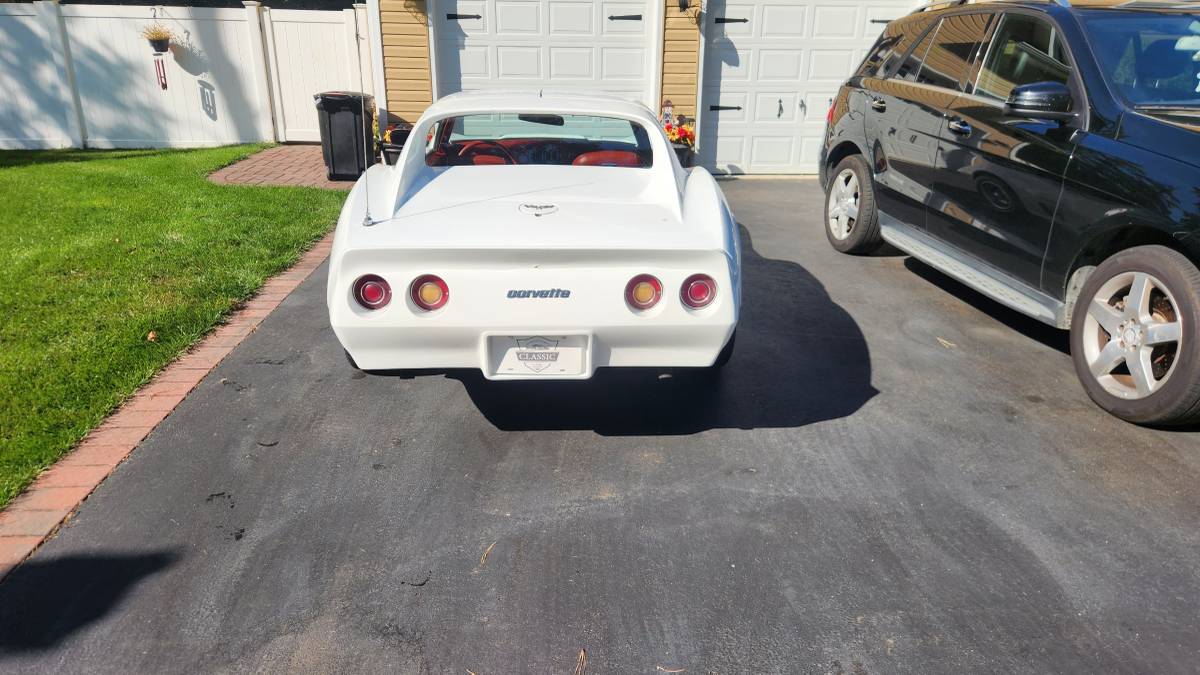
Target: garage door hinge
[{"x": 625, "y": 17}]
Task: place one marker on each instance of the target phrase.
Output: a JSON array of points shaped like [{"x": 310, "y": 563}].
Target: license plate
[{"x": 544, "y": 355}]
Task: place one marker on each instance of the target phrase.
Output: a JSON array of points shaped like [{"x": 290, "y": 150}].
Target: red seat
[
  {"x": 608, "y": 158},
  {"x": 487, "y": 160}
]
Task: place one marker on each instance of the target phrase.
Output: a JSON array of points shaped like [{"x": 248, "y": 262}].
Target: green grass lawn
[{"x": 98, "y": 249}]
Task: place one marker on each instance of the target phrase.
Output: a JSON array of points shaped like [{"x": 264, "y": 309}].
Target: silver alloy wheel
[
  {"x": 842, "y": 204},
  {"x": 1133, "y": 320}
]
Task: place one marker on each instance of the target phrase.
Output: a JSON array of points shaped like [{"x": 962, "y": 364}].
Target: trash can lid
[{"x": 340, "y": 99}]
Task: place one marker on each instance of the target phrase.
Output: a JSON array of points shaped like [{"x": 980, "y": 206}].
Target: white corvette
[{"x": 535, "y": 237}]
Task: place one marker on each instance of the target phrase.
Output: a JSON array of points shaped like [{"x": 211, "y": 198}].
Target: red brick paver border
[
  {"x": 282, "y": 165},
  {"x": 36, "y": 514}
]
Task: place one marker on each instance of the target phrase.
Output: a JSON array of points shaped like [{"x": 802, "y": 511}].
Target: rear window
[{"x": 538, "y": 138}]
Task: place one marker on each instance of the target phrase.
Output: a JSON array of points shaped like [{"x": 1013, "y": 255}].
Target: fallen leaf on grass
[
  {"x": 152, "y": 336},
  {"x": 946, "y": 343},
  {"x": 483, "y": 558},
  {"x": 581, "y": 662}
]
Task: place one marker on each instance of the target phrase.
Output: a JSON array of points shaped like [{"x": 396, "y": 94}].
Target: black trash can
[{"x": 347, "y": 122}]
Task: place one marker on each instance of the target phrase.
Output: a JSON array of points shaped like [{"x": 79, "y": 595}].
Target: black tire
[
  {"x": 726, "y": 353},
  {"x": 863, "y": 237},
  {"x": 1176, "y": 401}
]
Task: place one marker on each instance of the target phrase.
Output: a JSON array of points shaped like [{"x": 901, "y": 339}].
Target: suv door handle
[
  {"x": 878, "y": 104},
  {"x": 959, "y": 127}
]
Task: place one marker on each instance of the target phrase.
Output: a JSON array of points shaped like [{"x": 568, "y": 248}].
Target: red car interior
[
  {"x": 555, "y": 151},
  {"x": 607, "y": 158}
]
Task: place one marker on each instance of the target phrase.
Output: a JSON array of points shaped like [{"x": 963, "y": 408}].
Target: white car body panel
[{"x": 466, "y": 225}]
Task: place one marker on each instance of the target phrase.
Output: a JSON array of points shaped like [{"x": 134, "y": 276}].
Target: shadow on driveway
[
  {"x": 799, "y": 359},
  {"x": 43, "y": 602}
]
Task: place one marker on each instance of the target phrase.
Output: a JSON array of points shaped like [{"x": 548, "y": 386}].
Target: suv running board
[{"x": 984, "y": 278}]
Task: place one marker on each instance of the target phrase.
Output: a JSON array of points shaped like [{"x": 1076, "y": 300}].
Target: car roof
[{"x": 539, "y": 101}]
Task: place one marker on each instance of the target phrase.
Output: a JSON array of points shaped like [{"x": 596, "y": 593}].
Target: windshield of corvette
[
  {"x": 1153, "y": 60},
  {"x": 499, "y": 139}
]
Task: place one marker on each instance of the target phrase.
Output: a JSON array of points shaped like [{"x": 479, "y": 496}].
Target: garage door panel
[
  {"x": 731, "y": 154},
  {"x": 830, "y": 65},
  {"x": 779, "y": 107},
  {"x": 518, "y": 18},
  {"x": 780, "y": 64},
  {"x": 731, "y": 64},
  {"x": 835, "y": 21},
  {"x": 571, "y": 63},
  {"x": 519, "y": 62},
  {"x": 622, "y": 64},
  {"x": 473, "y": 61},
  {"x": 783, "y": 21},
  {"x": 772, "y": 151},
  {"x": 571, "y": 18}
]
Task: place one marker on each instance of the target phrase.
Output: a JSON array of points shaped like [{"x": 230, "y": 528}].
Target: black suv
[{"x": 1047, "y": 155}]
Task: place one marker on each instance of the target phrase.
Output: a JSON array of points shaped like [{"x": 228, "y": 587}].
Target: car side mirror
[{"x": 1041, "y": 100}]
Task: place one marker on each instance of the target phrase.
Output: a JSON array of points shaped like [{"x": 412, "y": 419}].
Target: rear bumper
[{"x": 410, "y": 347}]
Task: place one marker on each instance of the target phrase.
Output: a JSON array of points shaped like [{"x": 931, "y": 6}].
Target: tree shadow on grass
[
  {"x": 18, "y": 158},
  {"x": 45, "y": 601}
]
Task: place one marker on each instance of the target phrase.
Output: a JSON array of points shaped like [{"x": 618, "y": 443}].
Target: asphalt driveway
[{"x": 894, "y": 475}]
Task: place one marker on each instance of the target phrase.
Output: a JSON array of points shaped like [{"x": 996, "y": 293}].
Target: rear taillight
[
  {"x": 372, "y": 292},
  {"x": 643, "y": 291},
  {"x": 829, "y": 115},
  {"x": 698, "y": 291},
  {"x": 429, "y": 292}
]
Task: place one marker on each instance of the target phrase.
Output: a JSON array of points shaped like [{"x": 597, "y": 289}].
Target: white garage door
[
  {"x": 770, "y": 70},
  {"x": 551, "y": 44}
]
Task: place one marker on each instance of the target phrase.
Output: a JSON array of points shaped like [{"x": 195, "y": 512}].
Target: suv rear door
[
  {"x": 903, "y": 120},
  {"x": 999, "y": 177}
]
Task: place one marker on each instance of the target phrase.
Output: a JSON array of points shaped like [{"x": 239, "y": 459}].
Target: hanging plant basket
[{"x": 159, "y": 37}]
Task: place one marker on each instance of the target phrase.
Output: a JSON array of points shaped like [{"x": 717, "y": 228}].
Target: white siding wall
[
  {"x": 33, "y": 112},
  {"x": 99, "y": 86}
]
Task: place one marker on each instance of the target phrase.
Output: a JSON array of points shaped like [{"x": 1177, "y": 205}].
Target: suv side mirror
[{"x": 1040, "y": 100}]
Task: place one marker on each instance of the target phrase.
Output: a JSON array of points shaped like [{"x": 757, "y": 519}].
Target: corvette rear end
[{"x": 612, "y": 256}]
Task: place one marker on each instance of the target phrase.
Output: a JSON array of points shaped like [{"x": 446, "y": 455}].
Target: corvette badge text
[{"x": 546, "y": 293}]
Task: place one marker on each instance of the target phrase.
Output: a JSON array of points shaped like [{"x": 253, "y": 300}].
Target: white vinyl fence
[{"x": 82, "y": 75}]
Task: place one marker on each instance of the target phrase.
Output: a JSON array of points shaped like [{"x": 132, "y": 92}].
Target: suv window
[
  {"x": 895, "y": 42},
  {"x": 911, "y": 65},
  {"x": 1025, "y": 50},
  {"x": 1153, "y": 60},
  {"x": 953, "y": 50}
]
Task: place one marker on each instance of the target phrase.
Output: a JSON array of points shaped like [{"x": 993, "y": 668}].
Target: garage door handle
[
  {"x": 878, "y": 104},
  {"x": 724, "y": 107},
  {"x": 725, "y": 19},
  {"x": 459, "y": 17},
  {"x": 625, "y": 17}
]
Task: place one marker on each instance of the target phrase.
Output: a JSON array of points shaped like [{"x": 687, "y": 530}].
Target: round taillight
[
  {"x": 372, "y": 292},
  {"x": 429, "y": 292},
  {"x": 698, "y": 291},
  {"x": 643, "y": 291}
]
